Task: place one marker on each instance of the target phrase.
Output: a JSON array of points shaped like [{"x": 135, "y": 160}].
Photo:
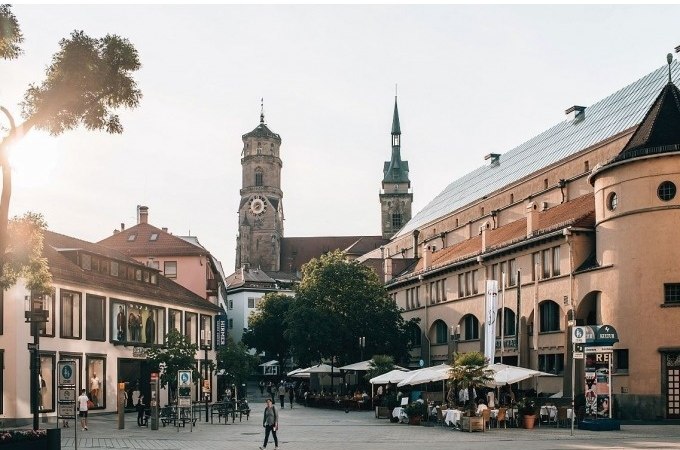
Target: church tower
[
  {"x": 396, "y": 196},
  {"x": 260, "y": 214}
]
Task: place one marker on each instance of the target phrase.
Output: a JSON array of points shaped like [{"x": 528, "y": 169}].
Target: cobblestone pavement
[{"x": 311, "y": 428}]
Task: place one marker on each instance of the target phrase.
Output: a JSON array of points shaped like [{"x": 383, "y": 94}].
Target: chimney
[
  {"x": 532, "y": 218},
  {"x": 115, "y": 231},
  {"x": 576, "y": 112},
  {"x": 387, "y": 265},
  {"x": 165, "y": 229},
  {"x": 122, "y": 226},
  {"x": 494, "y": 157},
  {"x": 415, "y": 243},
  {"x": 142, "y": 214},
  {"x": 484, "y": 229},
  {"x": 426, "y": 257}
]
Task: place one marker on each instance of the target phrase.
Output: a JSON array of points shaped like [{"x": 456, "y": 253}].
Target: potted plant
[
  {"x": 527, "y": 409},
  {"x": 415, "y": 412}
]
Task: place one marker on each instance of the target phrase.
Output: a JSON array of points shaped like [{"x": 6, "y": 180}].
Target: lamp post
[
  {"x": 205, "y": 346},
  {"x": 35, "y": 314},
  {"x": 362, "y": 345}
]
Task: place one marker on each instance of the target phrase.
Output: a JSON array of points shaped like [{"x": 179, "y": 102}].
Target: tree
[
  {"x": 266, "y": 332},
  {"x": 24, "y": 257},
  {"x": 337, "y": 302},
  {"x": 469, "y": 371},
  {"x": 87, "y": 80},
  {"x": 236, "y": 362},
  {"x": 177, "y": 353},
  {"x": 379, "y": 365}
]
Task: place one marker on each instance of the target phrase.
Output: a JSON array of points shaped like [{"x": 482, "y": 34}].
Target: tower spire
[
  {"x": 396, "y": 129},
  {"x": 669, "y": 59},
  {"x": 262, "y": 110}
]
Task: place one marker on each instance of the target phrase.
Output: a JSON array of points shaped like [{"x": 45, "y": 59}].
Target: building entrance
[
  {"x": 136, "y": 375},
  {"x": 672, "y": 385}
]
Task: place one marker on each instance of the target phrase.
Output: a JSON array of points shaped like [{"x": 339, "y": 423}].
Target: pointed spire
[
  {"x": 396, "y": 129},
  {"x": 669, "y": 59},
  {"x": 262, "y": 110}
]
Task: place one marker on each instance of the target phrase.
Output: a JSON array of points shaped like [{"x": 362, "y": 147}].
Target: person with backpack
[{"x": 270, "y": 422}]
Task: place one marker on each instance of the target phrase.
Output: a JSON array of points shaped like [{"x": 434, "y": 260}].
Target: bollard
[{"x": 121, "y": 406}]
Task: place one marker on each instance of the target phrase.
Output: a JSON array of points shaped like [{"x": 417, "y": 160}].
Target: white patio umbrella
[
  {"x": 427, "y": 375},
  {"x": 298, "y": 373},
  {"x": 393, "y": 376},
  {"x": 504, "y": 374},
  {"x": 363, "y": 365},
  {"x": 319, "y": 368}
]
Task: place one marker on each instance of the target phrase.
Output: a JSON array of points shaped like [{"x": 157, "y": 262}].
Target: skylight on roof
[
  {"x": 153, "y": 237},
  {"x": 132, "y": 237}
]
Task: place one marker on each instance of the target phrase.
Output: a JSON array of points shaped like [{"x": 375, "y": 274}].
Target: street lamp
[
  {"x": 362, "y": 345},
  {"x": 35, "y": 313},
  {"x": 205, "y": 346}
]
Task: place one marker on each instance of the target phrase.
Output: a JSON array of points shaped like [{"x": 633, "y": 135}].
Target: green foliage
[
  {"x": 337, "y": 302},
  {"x": 178, "y": 353},
  {"x": 86, "y": 80},
  {"x": 416, "y": 409},
  {"x": 527, "y": 406},
  {"x": 235, "y": 360},
  {"x": 24, "y": 255},
  {"x": 10, "y": 34},
  {"x": 469, "y": 371},
  {"x": 266, "y": 333},
  {"x": 379, "y": 365}
]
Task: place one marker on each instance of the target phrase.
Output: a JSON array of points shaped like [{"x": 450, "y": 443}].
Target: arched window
[
  {"x": 414, "y": 335},
  {"x": 470, "y": 328},
  {"x": 550, "y": 316},
  {"x": 259, "y": 179},
  {"x": 441, "y": 332},
  {"x": 508, "y": 323}
]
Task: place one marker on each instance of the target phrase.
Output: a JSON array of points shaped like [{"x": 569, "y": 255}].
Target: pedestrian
[
  {"x": 82, "y": 409},
  {"x": 282, "y": 393},
  {"x": 261, "y": 388},
  {"x": 141, "y": 419},
  {"x": 291, "y": 395},
  {"x": 270, "y": 422}
]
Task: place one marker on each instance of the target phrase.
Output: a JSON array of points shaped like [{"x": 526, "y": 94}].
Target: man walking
[
  {"x": 82, "y": 409},
  {"x": 270, "y": 422},
  {"x": 282, "y": 393}
]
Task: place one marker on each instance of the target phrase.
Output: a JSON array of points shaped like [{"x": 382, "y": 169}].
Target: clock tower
[
  {"x": 396, "y": 196},
  {"x": 260, "y": 213}
]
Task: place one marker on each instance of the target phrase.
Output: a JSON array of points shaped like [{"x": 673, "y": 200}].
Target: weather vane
[{"x": 262, "y": 110}]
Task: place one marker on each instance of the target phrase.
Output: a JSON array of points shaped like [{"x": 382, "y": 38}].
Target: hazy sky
[{"x": 472, "y": 80}]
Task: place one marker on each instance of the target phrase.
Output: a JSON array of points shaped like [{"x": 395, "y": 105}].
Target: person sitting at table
[
  {"x": 491, "y": 399},
  {"x": 420, "y": 399},
  {"x": 481, "y": 407}
]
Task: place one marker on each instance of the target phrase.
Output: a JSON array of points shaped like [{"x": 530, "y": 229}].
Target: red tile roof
[
  {"x": 296, "y": 251},
  {"x": 64, "y": 270},
  {"x": 166, "y": 244}
]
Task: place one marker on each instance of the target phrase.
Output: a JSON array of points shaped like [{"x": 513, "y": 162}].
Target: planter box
[
  {"x": 471, "y": 424},
  {"x": 26, "y": 445},
  {"x": 382, "y": 412}
]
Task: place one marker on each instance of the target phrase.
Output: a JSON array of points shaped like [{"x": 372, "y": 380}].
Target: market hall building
[{"x": 583, "y": 221}]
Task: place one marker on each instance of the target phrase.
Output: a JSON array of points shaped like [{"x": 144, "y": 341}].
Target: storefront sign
[
  {"x": 220, "y": 330},
  {"x": 138, "y": 352}
]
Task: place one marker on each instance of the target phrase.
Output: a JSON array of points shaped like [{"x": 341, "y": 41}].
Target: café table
[
  {"x": 400, "y": 413},
  {"x": 452, "y": 416}
]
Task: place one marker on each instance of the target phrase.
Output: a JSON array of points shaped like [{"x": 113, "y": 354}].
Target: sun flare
[{"x": 34, "y": 160}]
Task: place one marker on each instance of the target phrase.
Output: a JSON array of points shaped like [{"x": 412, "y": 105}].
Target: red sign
[{"x": 154, "y": 376}]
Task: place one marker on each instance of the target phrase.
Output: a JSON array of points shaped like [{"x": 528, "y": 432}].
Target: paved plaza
[{"x": 311, "y": 428}]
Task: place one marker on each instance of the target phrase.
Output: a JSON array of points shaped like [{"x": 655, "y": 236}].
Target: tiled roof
[
  {"x": 603, "y": 120},
  {"x": 296, "y": 251},
  {"x": 65, "y": 270},
  {"x": 577, "y": 212},
  {"x": 245, "y": 277},
  {"x": 165, "y": 244},
  {"x": 262, "y": 131}
]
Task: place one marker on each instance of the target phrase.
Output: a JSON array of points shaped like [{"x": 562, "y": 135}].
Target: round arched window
[
  {"x": 612, "y": 201},
  {"x": 666, "y": 191}
]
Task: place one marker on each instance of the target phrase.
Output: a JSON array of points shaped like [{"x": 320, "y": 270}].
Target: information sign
[
  {"x": 184, "y": 377},
  {"x": 66, "y": 410},
  {"x": 66, "y": 374},
  {"x": 579, "y": 335},
  {"x": 66, "y": 394}
]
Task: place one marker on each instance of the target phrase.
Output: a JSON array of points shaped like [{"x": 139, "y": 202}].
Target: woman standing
[{"x": 270, "y": 423}]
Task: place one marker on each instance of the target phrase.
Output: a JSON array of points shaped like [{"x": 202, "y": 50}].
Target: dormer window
[
  {"x": 132, "y": 237},
  {"x": 86, "y": 262},
  {"x": 153, "y": 237}
]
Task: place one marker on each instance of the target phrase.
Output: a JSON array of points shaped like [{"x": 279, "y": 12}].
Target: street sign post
[
  {"x": 67, "y": 377},
  {"x": 184, "y": 396},
  {"x": 579, "y": 335}
]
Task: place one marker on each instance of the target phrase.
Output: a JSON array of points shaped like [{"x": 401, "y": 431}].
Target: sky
[{"x": 472, "y": 80}]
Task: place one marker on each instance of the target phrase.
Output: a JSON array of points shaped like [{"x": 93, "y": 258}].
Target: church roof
[
  {"x": 605, "y": 119},
  {"x": 395, "y": 170},
  {"x": 262, "y": 131},
  {"x": 659, "y": 131},
  {"x": 396, "y": 129},
  {"x": 296, "y": 251}
]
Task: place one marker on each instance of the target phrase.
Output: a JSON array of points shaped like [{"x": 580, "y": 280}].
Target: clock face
[{"x": 257, "y": 205}]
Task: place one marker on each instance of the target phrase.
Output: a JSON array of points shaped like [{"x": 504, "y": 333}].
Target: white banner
[{"x": 490, "y": 312}]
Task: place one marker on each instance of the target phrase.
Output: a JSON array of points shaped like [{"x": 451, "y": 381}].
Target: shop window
[
  {"x": 441, "y": 332},
  {"x": 134, "y": 323},
  {"x": 191, "y": 327},
  {"x": 550, "y": 316},
  {"x": 70, "y": 314},
  {"x": 175, "y": 320},
  {"x": 471, "y": 327},
  {"x": 96, "y": 380},
  {"x": 45, "y": 392},
  {"x": 95, "y": 318},
  {"x": 551, "y": 363}
]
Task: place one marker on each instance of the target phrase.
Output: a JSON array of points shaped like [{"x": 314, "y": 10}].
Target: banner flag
[{"x": 490, "y": 310}]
